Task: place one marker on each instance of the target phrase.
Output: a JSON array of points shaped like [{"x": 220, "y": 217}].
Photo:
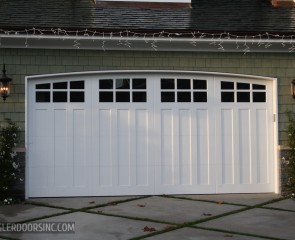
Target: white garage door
[{"x": 143, "y": 133}]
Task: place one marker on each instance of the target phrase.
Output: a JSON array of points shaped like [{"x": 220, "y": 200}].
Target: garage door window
[
  {"x": 242, "y": 92},
  {"x": 58, "y": 92},
  {"x": 122, "y": 90},
  {"x": 183, "y": 90}
]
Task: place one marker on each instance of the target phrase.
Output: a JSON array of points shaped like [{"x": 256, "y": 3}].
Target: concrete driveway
[{"x": 200, "y": 217}]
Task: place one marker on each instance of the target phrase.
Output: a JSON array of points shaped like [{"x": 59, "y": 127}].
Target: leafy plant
[
  {"x": 9, "y": 166},
  {"x": 291, "y": 162}
]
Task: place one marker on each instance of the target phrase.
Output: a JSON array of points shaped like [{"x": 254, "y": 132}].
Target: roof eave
[{"x": 232, "y": 43}]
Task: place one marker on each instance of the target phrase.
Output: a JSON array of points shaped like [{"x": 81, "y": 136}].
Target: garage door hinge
[{"x": 274, "y": 118}]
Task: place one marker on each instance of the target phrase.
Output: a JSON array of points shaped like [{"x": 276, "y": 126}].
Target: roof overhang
[{"x": 193, "y": 42}]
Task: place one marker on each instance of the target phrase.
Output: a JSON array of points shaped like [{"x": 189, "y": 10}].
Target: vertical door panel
[
  {"x": 227, "y": 146},
  {"x": 185, "y": 165},
  {"x": 244, "y": 138},
  {"x": 167, "y": 156},
  {"x": 60, "y": 149},
  {"x": 79, "y": 148},
  {"x": 262, "y": 146},
  {"x": 244, "y": 146},
  {"x": 104, "y": 159},
  {"x": 142, "y": 147},
  {"x": 123, "y": 147},
  {"x": 202, "y": 159},
  {"x": 41, "y": 151}
]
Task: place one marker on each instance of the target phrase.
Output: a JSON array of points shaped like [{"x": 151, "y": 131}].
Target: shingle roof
[{"x": 213, "y": 15}]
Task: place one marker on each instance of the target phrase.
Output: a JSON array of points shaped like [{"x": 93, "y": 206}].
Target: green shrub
[
  {"x": 291, "y": 162},
  {"x": 9, "y": 166}
]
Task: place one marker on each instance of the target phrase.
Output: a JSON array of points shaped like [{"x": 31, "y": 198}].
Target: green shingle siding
[{"x": 24, "y": 62}]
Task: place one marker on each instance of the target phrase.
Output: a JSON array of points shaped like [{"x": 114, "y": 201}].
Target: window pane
[
  {"x": 183, "y": 84},
  {"x": 42, "y": 96},
  {"x": 167, "y": 83},
  {"x": 77, "y": 97},
  {"x": 243, "y": 86},
  {"x": 77, "y": 85},
  {"x": 200, "y": 96},
  {"x": 122, "y": 97},
  {"x": 167, "y": 97},
  {"x": 243, "y": 96},
  {"x": 259, "y": 97},
  {"x": 139, "y": 83},
  {"x": 259, "y": 86},
  {"x": 227, "y": 85},
  {"x": 183, "y": 97},
  {"x": 106, "y": 96},
  {"x": 106, "y": 84},
  {"x": 60, "y": 85},
  {"x": 227, "y": 97},
  {"x": 139, "y": 96},
  {"x": 60, "y": 96},
  {"x": 123, "y": 83},
  {"x": 43, "y": 86},
  {"x": 200, "y": 84}
]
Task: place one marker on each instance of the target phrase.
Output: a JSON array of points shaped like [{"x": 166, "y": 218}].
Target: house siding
[{"x": 25, "y": 62}]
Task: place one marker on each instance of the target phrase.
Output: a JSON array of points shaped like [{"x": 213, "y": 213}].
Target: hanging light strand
[{"x": 243, "y": 42}]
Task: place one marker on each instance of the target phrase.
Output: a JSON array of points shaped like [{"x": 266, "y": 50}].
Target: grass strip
[
  {"x": 71, "y": 210},
  {"x": 269, "y": 202},
  {"x": 84, "y": 208},
  {"x": 39, "y": 204},
  {"x": 114, "y": 203},
  {"x": 206, "y": 201},
  {"x": 236, "y": 233},
  {"x": 278, "y": 209},
  {"x": 47, "y": 216},
  {"x": 190, "y": 224},
  {"x": 8, "y": 238},
  {"x": 132, "y": 218}
]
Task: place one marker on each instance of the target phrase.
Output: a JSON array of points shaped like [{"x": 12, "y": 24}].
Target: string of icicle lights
[{"x": 243, "y": 42}]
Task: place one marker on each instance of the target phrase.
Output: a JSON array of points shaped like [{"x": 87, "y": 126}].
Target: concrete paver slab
[
  {"x": 287, "y": 204},
  {"x": 168, "y": 209},
  {"x": 22, "y": 212},
  {"x": 243, "y": 199},
  {"x": 199, "y": 234},
  {"x": 264, "y": 222},
  {"x": 93, "y": 226},
  {"x": 78, "y": 202}
]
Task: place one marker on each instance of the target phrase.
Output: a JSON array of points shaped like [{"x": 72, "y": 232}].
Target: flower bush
[
  {"x": 291, "y": 160},
  {"x": 9, "y": 166}
]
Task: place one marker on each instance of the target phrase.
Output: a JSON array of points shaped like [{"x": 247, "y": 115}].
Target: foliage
[
  {"x": 291, "y": 143},
  {"x": 9, "y": 166}
]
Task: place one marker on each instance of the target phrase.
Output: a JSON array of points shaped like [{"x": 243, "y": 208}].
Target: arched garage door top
[{"x": 176, "y": 72}]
